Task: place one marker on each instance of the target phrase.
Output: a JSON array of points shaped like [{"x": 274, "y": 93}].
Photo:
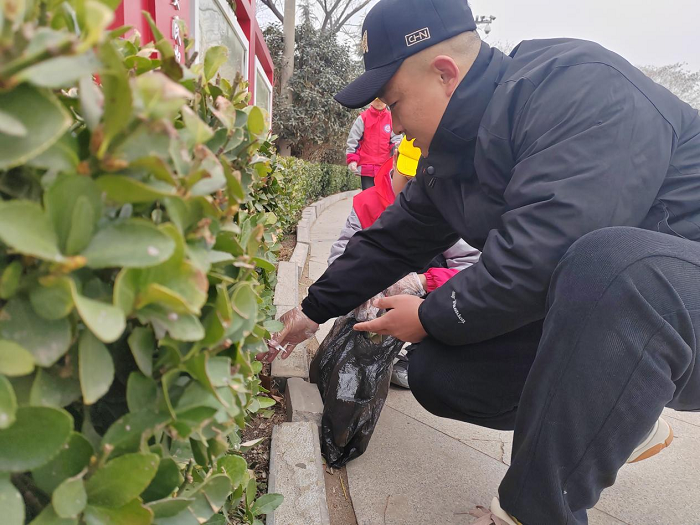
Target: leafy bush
[
  {"x": 136, "y": 270},
  {"x": 315, "y": 124},
  {"x": 295, "y": 183}
]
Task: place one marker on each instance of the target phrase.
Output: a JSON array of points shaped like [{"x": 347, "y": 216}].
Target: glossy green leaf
[
  {"x": 52, "y": 389},
  {"x": 8, "y": 403},
  {"x": 74, "y": 205},
  {"x": 46, "y": 340},
  {"x": 10, "y": 279},
  {"x": 15, "y": 360},
  {"x": 25, "y": 228},
  {"x": 48, "y": 516},
  {"x": 158, "y": 97},
  {"x": 9, "y": 125},
  {"x": 264, "y": 264},
  {"x": 142, "y": 344},
  {"x": 60, "y": 72},
  {"x": 91, "y": 102},
  {"x": 169, "y": 507},
  {"x": 198, "y": 131},
  {"x": 37, "y": 435},
  {"x": 235, "y": 467},
  {"x": 209, "y": 497},
  {"x": 52, "y": 299},
  {"x": 214, "y": 58},
  {"x": 107, "y": 322},
  {"x": 267, "y": 503},
  {"x": 11, "y": 503},
  {"x": 118, "y": 98},
  {"x": 256, "y": 121},
  {"x": 96, "y": 368},
  {"x": 141, "y": 392},
  {"x": 130, "y": 244},
  {"x": 121, "y": 480},
  {"x": 132, "y": 430},
  {"x": 133, "y": 513},
  {"x": 69, "y": 498},
  {"x": 181, "y": 327},
  {"x": 122, "y": 189},
  {"x": 70, "y": 461},
  {"x": 166, "y": 480},
  {"x": 41, "y": 114},
  {"x": 245, "y": 308},
  {"x": 61, "y": 157}
]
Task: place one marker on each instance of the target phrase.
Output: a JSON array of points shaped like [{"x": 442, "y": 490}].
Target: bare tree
[
  {"x": 676, "y": 78},
  {"x": 333, "y": 15}
]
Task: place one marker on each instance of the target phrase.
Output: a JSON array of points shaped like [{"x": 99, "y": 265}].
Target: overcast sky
[
  {"x": 643, "y": 31},
  {"x": 656, "y": 32}
]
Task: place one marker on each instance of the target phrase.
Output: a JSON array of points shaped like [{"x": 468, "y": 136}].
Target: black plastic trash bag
[{"x": 353, "y": 373}]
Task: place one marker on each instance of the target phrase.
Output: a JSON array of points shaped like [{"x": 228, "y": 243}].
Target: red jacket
[{"x": 370, "y": 139}]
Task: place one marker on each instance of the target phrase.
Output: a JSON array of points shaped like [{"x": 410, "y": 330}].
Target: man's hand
[
  {"x": 353, "y": 167},
  {"x": 401, "y": 321},
  {"x": 297, "y": 329}
]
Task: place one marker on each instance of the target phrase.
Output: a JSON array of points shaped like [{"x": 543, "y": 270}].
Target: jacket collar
[{"x": 452, "y": 148}]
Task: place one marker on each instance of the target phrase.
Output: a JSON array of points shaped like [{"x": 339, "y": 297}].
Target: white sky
[{"x": 645, "y": 32}]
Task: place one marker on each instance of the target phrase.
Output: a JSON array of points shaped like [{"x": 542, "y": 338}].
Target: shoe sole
[{"x": 653, "y": 451}]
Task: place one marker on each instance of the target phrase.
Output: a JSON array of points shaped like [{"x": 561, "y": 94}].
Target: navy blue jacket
[{"x": 535, "y": 149}]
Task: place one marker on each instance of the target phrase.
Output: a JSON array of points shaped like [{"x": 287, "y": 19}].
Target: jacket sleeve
[
  {"x": 591, "y": 152},
  {"x": 461, "y": 256},
  {"x": 354, "y": 137},
  {"x": 436, "y": 277},
  {"x": 404, "y": 239},
  {"x": 352, "y": 226}
]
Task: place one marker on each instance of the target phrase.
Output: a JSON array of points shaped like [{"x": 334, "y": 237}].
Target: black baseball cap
[{"x": 396, "y": 29}]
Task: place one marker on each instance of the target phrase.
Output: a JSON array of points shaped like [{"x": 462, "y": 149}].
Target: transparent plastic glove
[
  {"x": 297, "y": 329},
  {"x": 353, "y": 167},
  {"x": 367, "y": 311},
  {"x": 409, "y": 285}
]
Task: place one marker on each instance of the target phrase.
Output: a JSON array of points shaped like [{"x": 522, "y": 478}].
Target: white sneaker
[
  {"x": 493, "y": 516},
  {"x": 659, "y": 437}
]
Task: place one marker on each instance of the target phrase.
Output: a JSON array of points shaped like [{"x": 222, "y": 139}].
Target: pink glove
[{"x": 297, "y": 329}]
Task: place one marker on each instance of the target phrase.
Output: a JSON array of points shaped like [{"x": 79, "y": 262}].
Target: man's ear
[{"x": 448, "y": 70}]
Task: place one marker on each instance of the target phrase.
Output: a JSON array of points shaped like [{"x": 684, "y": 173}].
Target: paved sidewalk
[{"x": 422, "y": 469}]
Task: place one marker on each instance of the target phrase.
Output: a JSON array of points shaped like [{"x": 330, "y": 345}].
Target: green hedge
[
  {"x": 136, "y": 275},
  {"x": 295, "y": 183}
]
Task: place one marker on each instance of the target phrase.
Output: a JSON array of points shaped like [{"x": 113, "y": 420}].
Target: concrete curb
[
  {"x": 287, "y": 290},
  {"x": 296, "y": 472},
  {"x": 296, "y": 466}
]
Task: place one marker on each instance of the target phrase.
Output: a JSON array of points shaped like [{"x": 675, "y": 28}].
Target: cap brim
[{"x": 365, "y": 88}]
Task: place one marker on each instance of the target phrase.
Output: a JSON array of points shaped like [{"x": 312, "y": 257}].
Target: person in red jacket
[
  {"x": 367, "y": 206},
  {"x": 370, "y": 142}
]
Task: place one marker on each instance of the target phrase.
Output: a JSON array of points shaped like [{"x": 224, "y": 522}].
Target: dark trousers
[
  {"x": 583, "y": 388},
  {"x": 367, "y": 182}
]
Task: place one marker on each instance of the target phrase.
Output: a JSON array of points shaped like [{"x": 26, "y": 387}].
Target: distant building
[{"x": 211, "y": 22}]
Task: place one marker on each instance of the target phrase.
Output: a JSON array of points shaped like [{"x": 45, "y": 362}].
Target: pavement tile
[
  {"x": 316, "y": 270},
  {"x": 411, "y": 474},
  {"x": 661, "y": 490},
  {"x": 692, "y": 418},
  {"x": 493, "y": 443},
  {"x": 320, "y": 250},
  {"x": 324, "y": 330}
]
